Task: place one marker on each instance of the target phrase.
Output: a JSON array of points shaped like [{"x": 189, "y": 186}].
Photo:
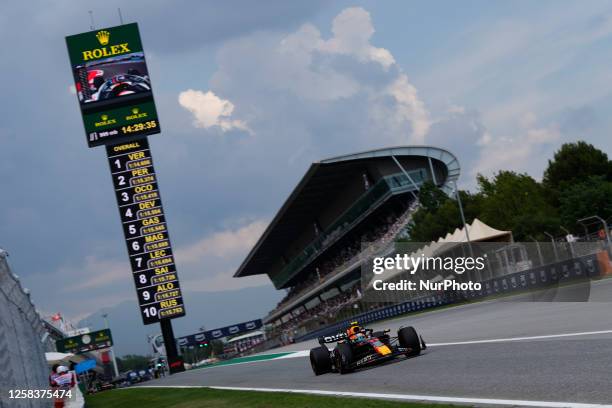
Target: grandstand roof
[{"x": 321, "y": 180}]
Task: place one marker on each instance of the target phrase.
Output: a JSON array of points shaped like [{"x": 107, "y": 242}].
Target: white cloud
[
  {"x": 206, "y": 265},
  {"x": 522, "y": 147},
  {"x": 83, "y": 286},
  {"x": 209, "y": 110},
  {"x": 94, "y": 273},
  {"x": 223, "y": 244},
  {"x": 521, "y": 151},
  {"x": 209, "y": 264},
  {"x": 456, "y": 109},
  {"x": 485, "y": 139},
  {"x": 296, "y": 54},
  {"x": 322, "y": 91},
  {"x": 409, "y": 107},
  {"x": 352, "y": 30},
  {"x": 547, "y": 63}
]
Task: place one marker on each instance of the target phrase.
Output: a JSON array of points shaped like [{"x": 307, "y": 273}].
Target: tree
[
  {"x": 590, "y": 197},
  {"x": 133, "y": 362},
  {"x": 574, "y": 163},
  {"x": 217, "y": 347},
  {"x": 516, "y": 202},
  {"x": 577, "y": 183},
  {"x": 439, "y": 214},
  {"x": 431, "y": 197}
]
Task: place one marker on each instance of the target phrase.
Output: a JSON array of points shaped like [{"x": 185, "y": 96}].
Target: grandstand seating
[
  {"x": 377, "y": 239},
  {"x": 358, "y": 205}
]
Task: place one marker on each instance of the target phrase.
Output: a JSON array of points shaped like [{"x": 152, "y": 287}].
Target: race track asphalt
[{"x": 575, "y": 368}]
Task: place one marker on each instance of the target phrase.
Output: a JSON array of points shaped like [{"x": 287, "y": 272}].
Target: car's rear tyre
[
  {"x": 320, "y": 361},
  {"x": 343, "y": 355},
  {"x": 409, "y": 339}
]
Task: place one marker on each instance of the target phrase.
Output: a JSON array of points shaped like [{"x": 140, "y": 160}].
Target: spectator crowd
[{"x": 383, "y": 232}]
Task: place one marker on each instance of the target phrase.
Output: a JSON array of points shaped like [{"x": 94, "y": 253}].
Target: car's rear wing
[{"x": 332, "y": 338}]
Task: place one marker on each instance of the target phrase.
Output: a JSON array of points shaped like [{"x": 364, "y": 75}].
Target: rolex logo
[
  {"x": 136, "y": 114},
  {"x": 103, "y": 37},
  {"x": 105, "y": 120}
]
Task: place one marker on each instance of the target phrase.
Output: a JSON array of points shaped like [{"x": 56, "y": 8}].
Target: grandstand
[{"x": 342, "y": 207}]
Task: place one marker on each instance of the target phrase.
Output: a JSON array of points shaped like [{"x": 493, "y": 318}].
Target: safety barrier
[
  {"x": 22, "y": 351},
  {"x": 546, "y": 277}
]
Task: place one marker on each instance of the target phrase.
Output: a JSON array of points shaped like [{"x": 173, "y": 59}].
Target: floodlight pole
[
  {"x": 407, "y": 176},
  {"x": 465, "y": 227},
  {"x": 431, "y": 169},
  {"x": 598, "y": 218},
  {"x": 552, "y": 240},
  {"x": 568, "y": 241},
  {"x": 538, "y": 248},
  {"x": 91, "y": 19},
  {"x": 467, "y": 233}
]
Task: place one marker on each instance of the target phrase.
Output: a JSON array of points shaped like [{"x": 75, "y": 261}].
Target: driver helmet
[{"x": 354, "y": 329}]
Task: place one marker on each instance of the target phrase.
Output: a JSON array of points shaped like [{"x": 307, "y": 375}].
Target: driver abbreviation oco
[{"x": 426, "y": 285}]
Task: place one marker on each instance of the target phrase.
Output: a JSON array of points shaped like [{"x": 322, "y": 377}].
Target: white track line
[
  {"x": 508, "y": 339},
  {"x": 405, "y": 397},
  {"x": 294, "y": 354}
]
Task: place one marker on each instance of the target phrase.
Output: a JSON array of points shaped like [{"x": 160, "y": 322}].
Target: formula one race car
[
  {"x": 120, "y": 85},
  {"x": 359, "y": 347}
]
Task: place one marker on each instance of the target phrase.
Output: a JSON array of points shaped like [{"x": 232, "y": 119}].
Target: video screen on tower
[
  {"x": 112, "y": 78},
  {"x": 112, "y": 84}
]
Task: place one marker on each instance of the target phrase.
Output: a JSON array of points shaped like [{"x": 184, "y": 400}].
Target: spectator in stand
[{"x": 385, "y": 231}]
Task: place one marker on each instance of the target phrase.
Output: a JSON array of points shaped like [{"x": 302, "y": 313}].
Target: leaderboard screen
[
  {"x": 112, "y": 84},
  {"x": 86, "y": 342},
  {"x": 145, "y": 231}
]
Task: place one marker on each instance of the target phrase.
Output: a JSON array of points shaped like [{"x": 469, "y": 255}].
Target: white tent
[
  {"x": 477, "y": 230},
  {"x": 55, "y": 357},
  {"x": 483, "y": 232}
]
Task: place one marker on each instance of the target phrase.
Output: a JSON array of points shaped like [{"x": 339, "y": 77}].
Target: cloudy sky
[{"x": 250, "y": 93}]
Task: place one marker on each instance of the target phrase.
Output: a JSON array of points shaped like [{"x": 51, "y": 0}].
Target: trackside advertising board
[
  {"x": 112, "y": 84},
  {"x": 233, "y": 330},
  {"x": 85, "y": 342}
]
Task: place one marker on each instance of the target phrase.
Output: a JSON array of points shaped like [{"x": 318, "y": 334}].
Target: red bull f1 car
[{"x": 360, "y": 347}]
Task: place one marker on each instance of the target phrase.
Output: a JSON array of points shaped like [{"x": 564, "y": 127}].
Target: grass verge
[{"x": 210, "y": 398}]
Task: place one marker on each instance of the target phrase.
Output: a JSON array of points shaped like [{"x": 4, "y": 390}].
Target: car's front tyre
[
  {"x": 409, "y": 339},
  {"x": 320, "y": 361}
]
